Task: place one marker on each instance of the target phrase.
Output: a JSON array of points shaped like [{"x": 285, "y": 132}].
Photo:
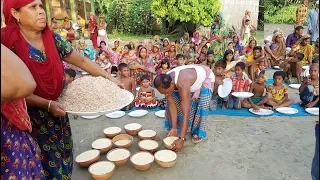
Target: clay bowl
[
  {"x": 133, "y": 128},
  {"x": 119, "y": 156},
  {"x": 111, "y": 132},
  {"x": 87, "y": 158},
  {"x": 148, "y": 145},
  {"x": 122, "y": 141},
  {"x": 142, "y": 161},
  {"x": 103, "y": 145},
  {"x": 147, "y": 134},
  {"x": 102, "y": 170},
  {"x": 168, "y": 142},
  {"x": 165, "y": 158}
]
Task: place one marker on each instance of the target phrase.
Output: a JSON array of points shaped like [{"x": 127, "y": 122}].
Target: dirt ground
[{"x": 242, "y": 148}]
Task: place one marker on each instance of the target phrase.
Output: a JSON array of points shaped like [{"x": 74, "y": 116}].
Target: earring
[{"x": 18, "y": 20}]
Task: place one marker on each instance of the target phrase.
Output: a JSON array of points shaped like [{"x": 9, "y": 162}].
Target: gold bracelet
[{"x": 49, "y": 105}]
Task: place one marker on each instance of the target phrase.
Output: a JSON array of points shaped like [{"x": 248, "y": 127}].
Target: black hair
[
  {"x": 128, "y": 46},
  {"x": 145, "y": 77},
  {"x": 300, "y": 56},
  {"x": 100, "y": 52},
  {"x": 180, "y": 56},
  {"x": 221, "y": 63},
  {"x": 72, "y": 73},
  {"x": 210, "y": 52},
  {"x": 69, "y": 41},
  {"x": 226, "y": 53},
  {"x": 230, "y": 43},
  {"x": 257, "y": 48},
  {"x": 242, "y": 65},
  {"x": 315, "y": 60},
  {"x": 247, "y": 20},
  {"x": 162, "y": 81},
  {"x": 165, "y": 61},
  {"x": 122, "y": 66},
  {"x": 103, "y": 42},
  {"x": 141, "y": 50},
  {"x": 99, "y": 47},
  {"x": 251, "y": 41},
  {"x": 262, "y": 72},
  {"x": 279, "y": 73},
  {"x": 177, "y": 42},
  {"x": 298, "y": 28}
]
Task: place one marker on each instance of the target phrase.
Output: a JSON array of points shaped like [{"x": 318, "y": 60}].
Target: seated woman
[
  {"x": 231, "y": 63},
  {"x": 117, "y": 48},
  {"x": 171, "y": 54},
  {"x": 164, "y": 67},
  {"x": 276, "y": 51},
  {"x": 165, "y": 45},
  {"x": 236, "y": 43},
  {"x": 303, "y": 46},
  {"x": 188, "y": 90},
  {"x": 202, "y": 55},
  {"x": 185, "y": 39},
  {"x": 209, "y": 62},
  {"x": 156, "y": 55},
  {"x": 125, "y": 51},
  {"x": 146, "y": 96},
  {"x": 196, "y": 38},
  {"x": 292, "y": 67},
  {"x": 143, "y": 65},
  {"x": 189, "y": 55},
  {"x": 248, "y": 50}
]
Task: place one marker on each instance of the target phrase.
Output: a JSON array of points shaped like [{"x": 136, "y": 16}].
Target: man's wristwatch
[{"x": 182, "y": 138}]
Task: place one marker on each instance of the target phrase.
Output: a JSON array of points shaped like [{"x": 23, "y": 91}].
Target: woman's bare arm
[
  {"x": 172, "y": 111},
  {"x": 16, "y": 80}
]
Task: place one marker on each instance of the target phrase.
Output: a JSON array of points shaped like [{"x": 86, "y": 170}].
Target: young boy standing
[
  {"x": 278, "y": 92},
  {"x": 309, "y": 89},
  {"x": 129, "y": 83},
  {"x": 218, "y": 72},
  {"x": 240, "y": 83}
]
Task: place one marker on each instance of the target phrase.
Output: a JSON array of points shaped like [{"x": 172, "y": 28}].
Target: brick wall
[{"x": 234, "y": 10}]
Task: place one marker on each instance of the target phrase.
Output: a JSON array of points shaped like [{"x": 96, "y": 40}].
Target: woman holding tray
[
  {"x": 30, "y": 38},
  {"x": 188, "y": 90}
]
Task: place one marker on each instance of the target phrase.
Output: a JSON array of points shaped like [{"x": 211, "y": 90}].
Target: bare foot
[{"x": 195, "y": 139}]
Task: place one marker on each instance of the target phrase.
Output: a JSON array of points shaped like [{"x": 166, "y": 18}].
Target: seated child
[
  {"x": 209, "y": 60},
  {"x": 259, "y": 70},
  {"x": 146, "y": 96},
  {"x": 218, "y": 72},
  {"x": 292, "y": 67},
  {"x": 277, "y": 93},
  {"x": 103, "y": 62},
  {"x": 180, "y": 60},
  {"x": 129, "y": 83},
  {"x": 240, "y": 83},
  {"x": 164, "y": 67},
  {"x": 69, "y": 76},
  {"x": 309, "y": 89},
  {"x": 258, "y": 88}
]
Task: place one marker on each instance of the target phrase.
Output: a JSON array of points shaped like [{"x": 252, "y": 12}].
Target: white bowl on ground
[
  {"x": 87, "y": 158},
  {"x": 102, "y": 170},
  {"x": 119, "y": 156},
  {"x": 147, "y": 134},
  {"x": 142, "y": 160},
  {"x": 166, "y": 158}
]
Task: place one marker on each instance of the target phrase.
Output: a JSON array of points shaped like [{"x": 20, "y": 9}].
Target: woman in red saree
[
  {"x": 30, "y": 38},
  {"x": 67, "y": 26},
  {"x": 93, "y": 30}
]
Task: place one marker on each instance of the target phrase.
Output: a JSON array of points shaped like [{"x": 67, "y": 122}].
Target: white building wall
[{"x": 234, "y": 11}]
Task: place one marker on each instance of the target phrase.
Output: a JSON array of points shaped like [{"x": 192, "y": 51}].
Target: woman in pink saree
[{"x": 93, "y": 30}]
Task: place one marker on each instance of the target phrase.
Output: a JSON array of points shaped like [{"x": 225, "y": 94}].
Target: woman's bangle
[{"x": 49, "y": 105}]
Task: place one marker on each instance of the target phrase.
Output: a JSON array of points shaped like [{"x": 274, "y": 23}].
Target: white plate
[
  {"x": 138, "y": 113},
  {"x": 262, "y": 112},
  {"x": 313, "y": 111},
  {"x": 242, "y": 57},
  {"x": 242, "y": 94},
  {"x": 137, "y": 88},
  {"x": 90, "y": 117},
  {"x": 287, "y": 110},
  {"x": 305, "y": 67},
  {"x": 116, "y": 114},
  {"x": 160, "y": 114},
  {"x": 129, "y": 97},
  {"x": 84, "y": 73},
  {"x": 276, "y": 67},
  {"x": 295, "y": 86},
  {"x": 306, "y": 73},
  {"x": 75, "y": 26},
  {"x": 113, "y": 75},
  {"x": 225, "y": 89}
]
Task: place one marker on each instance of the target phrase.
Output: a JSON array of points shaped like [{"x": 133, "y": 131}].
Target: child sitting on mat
[
  {"x": 277, "y": 93},
  {"x": 309, "y": 89},
  {"x": 218, "y": 72},
  {"x": 258, "y": 88},
  {"x": 240, "y": 83},
  {"x": 146, "y": 96},
  {"x": 129, "y": 83},
  {"x": 164, "y": 67},
  {"x": 259, "y": 70}
]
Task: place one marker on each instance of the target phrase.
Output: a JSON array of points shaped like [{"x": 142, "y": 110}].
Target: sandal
[{"x": 195, "y": 139}]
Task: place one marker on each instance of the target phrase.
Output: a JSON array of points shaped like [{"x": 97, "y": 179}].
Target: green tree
[
  {"x": 117, "y": 14},
  {"x": 139, "y": 17},
  {"x": 195, "y": 11},
  {"x": 102, "y": 6}
]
